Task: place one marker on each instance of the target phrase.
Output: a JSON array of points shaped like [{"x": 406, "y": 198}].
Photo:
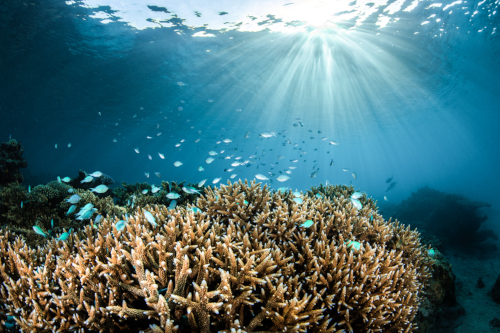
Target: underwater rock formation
[
  {"x": 11, "y": 160},
  {"x": 440, "y": 306},
  {"x": 453, "y": 218},
  {"x": 241, "y": 261}
]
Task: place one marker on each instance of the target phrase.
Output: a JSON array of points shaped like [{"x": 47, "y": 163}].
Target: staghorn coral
[
  {"x": 11, "y": 160},
  {"x": 242, "y": 264}
]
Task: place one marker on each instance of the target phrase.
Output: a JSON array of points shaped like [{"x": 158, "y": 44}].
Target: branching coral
[{"x": 243, "y": 263}]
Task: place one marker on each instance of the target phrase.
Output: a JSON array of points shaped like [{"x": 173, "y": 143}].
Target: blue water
[{"x": 419, "y": 102}]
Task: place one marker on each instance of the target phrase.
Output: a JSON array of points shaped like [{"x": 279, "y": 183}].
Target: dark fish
[
  {"x": 391, "y": 186},
  {"x": 389, "y": 180},
  {"x": 331, "y": 163}
]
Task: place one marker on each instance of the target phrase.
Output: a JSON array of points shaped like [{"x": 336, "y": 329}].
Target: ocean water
[{"x": 404, "y": 89}]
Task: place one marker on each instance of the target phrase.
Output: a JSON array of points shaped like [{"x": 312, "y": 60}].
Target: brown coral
[{"x": 244, "y": 264}]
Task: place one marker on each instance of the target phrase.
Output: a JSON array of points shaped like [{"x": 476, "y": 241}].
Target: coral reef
[
  {"x": 140, "y": 194},
  {"x": 451, "y": 217},
  {"x": 241, "y": 261},
  {"x": 103, "y": 179},
  {"x": 11, "y": 160}
]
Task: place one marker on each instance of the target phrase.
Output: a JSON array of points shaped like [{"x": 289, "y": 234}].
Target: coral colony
[{"x": 182, "y": 257}]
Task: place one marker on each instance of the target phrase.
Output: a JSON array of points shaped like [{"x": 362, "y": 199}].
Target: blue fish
[{"x": 71, "y": 210}]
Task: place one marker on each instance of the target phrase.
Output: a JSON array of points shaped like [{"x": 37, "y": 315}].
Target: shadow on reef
[
  {"x": 452, "y": 218},
  {"x": 243, "y": 259}
]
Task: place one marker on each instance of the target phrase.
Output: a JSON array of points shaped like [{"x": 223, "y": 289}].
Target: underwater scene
[{"x": 249, "y": 166}]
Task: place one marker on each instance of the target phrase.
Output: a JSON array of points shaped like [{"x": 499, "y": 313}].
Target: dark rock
[
  {"x": 495, "y": 291},
  {"x": 11, "y": 160},
  {"x": 495, "y": 322},
  {"x": 451, "y": 217},
  {"x": 439, "y": 310}
]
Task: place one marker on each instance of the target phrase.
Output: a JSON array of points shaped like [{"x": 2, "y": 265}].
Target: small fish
[
  {"x": 201, "y": 183},
  {"x": 333, "y": 143},
  {"x": 200, "y": 168},
  {"x": 150, "y": 157},
  {"x": 385, "y": 198},
  {"x": 331, "y": 162},
  {"x": 227, "y": 140},
  {"x": 209, "y": 160},
  {"x": 391, "y": 186},
  {"x": 59, "y": 179},
  {"x": 181, "y": 84},
  {"x": 158, "y": 134},
  {"x": 319, "y": 195},
  {"x": 233, "y": 175},
  {"x": 154, "y": 189},
  {"x": 136, "y": 150},
  {"x": 282, "y": 178},
  {"x": 294, "y": 161},
  {"x": 247, "y": 135},
  {"x": 158, "y": 174},
  {"x": 314, "y": 173},
  {"x": 56, "y": 145},
  {"x": 212, "y": 153},
  {"x": 195, "y": 210},
  {"x": 354, "y": 175},
  {"x": 98, "y": 219},
  {"x": 324, "y": 138},
  {"x": 180, "y": 108},
  {"x": 177, "y": 163},
  {"x": 235, "y": 164},
  {"x": 66, "y": 179},
  {"x": 29, "y": 189},
  {"x": 71, "y": 190},
  {"x": 150, "y": 218},
  {"x": 356, "y": 195},
  {"x": 71, "y": 210},
  {"x": 355, "y": 245},
  {"x": 120, "y": 225},
  {"x": 65, "y": 235},
  {"x": 216, "y": 180},
  {"x": 39, "y": 231},
  {"x": 22, "y": 202},
  {"x": 210, "y": 100},
  {"x": 73, "y": 199},
  {"x": 267, "y": 134},
  {"x": 87, "y": 179},
  {"x": 149, "y": 137},
  {"x": 99, "y": 189},
  {"x": 346, "y": 170},
  {"x": 307, "y": 224},
  {"x": 96, "y": 174},
  {"x": 298, "y": 200},
  {"x": 115, "y": 141},
  {"x": 52, "y": 224},
  {"x": 145, "y": 191},
  {"x": 173, "y": 195},
  {"x": 173, "y": 204},
  {"x": 356, "y": 203},
  {"x": 389, "y": 180},
  {"x": 161, "y": 156},
  {"x": 69, "y": 145},
  {"x": 190, "y": 190},
  {"x": 297, "y": 194},
  {"x": 238, "y": 110},
  {"x": 261, "y": 177}
]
